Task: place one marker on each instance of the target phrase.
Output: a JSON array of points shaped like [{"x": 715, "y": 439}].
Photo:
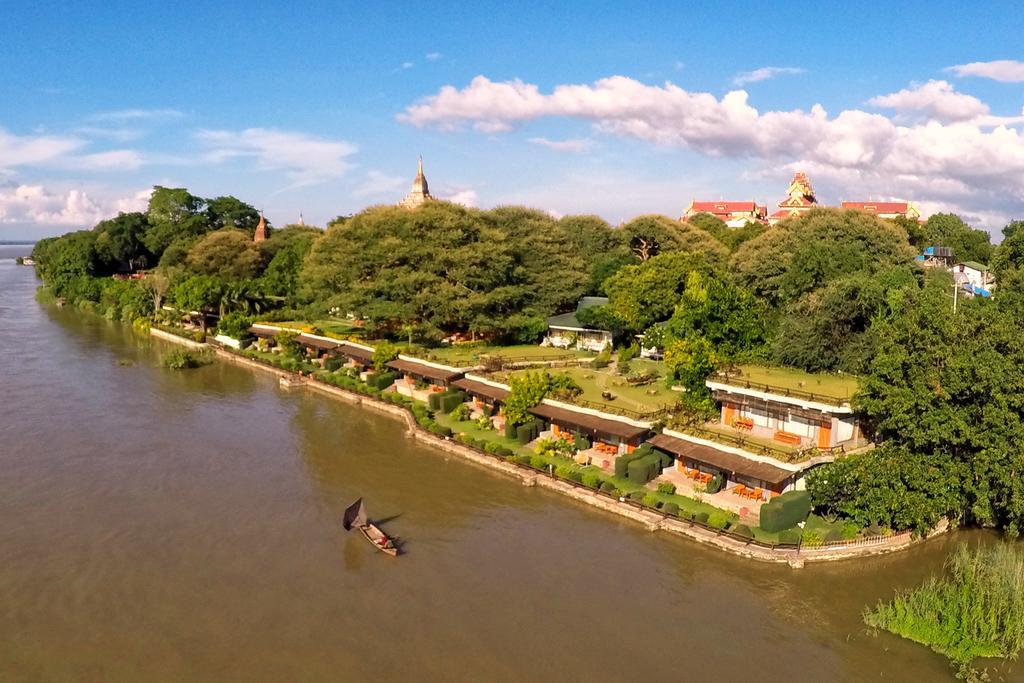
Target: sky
[{"x": 614, "y": 109}]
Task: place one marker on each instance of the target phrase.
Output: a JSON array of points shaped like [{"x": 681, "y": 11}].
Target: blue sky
[{"x": 614, "y": 109}]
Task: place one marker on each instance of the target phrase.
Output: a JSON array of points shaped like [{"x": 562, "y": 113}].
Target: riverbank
[{"x": 650, "y": 519}]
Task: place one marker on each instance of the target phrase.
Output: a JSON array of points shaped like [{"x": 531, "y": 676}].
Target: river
[{"x": 173, "y": 526}]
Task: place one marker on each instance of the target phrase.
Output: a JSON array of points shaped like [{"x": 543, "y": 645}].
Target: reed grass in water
[{"x": 976, "y": 610}]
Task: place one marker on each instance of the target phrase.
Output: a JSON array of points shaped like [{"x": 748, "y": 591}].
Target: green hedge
[
  {"x": 608, "y": 487},
  {"x": 526, "y": 433},
  {"x": 434, "y": 401},
  {"x": 789, "y": 536},
  {"x": 510, "y": 430},
  {"x": 381, "y": 380},
  {"x": 450, "y": 400},
  {"x": 743, "y": 530},
  {"x": 718, "y": 520},
  {"x": 642, "y": 470},
  {"x": 785, "y": 511},
  {"x": 591, "y": 480},
  {"x": 701, "y": 517},
  {"x": 671, "y": 509}
]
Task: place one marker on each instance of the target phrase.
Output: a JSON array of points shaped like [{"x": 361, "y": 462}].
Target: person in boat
[{"x": 384, "y": 541}]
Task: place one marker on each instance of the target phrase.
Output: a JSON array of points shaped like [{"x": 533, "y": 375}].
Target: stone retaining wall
[{"x": 651, "y": 521}]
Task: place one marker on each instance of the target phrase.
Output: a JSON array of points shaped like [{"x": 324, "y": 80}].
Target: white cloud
[
  {"x": 919, "y": 160},
  {"x": 305, "y": 159},
  {"x": 934, "y": 99},
  {"x": 572, "y": 145},
  {"x": 115, "y": 134},
  {"x": 464, "y": 197},
  {"x": 377, "y": 184},
  {"x": 124, "y": 115},
  {"x": 1003, "y": 70},
  {"x": 678, "y": 65},
  {"x": 765, "y": 73},
  {"x": 18, "y": 150},
  {"x": 432, "y": 56},
  {"x": 113, "y": 160},
  {"x": 36, "y": 204},
  {"x": 407, "y": 65}
]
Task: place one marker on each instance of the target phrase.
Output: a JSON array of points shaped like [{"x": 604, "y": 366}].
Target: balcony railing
[{"x": 736, "y": 380}]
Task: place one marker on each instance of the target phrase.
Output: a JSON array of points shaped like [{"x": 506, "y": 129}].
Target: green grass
[
  {"x": 339, "y": 329},
  {"x": 976, "y": 610},
  {"x": 834, "y": 386},
  {"x": 469, "y": 355},
  {"x": 594, "y": 382}
]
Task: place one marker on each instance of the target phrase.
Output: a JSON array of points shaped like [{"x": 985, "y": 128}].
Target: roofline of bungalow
[
  {"x": 488, "y": 382},
  {"x": 595, "y": 413},
  {"x": 438, "y": 366},
  {"x": 577, "y": 329},
  {"x": 840, "y": 409},
  {"x": 711, "y": 443}
]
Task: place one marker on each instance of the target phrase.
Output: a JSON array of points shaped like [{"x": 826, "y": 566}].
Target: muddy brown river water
[{"x": 184, "y": 526}]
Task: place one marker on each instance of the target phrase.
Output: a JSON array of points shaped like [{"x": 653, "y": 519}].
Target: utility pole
[{"x": 956, "y": 290}]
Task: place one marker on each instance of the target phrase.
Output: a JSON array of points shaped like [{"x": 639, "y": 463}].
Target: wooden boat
[{"x": 355, "y": 516}]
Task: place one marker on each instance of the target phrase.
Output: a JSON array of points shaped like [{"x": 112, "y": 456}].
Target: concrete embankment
[{"x": 652, "y": 521}]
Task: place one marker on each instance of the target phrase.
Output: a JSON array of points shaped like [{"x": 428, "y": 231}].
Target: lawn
[
  {"x": 834, "y": 386},
  {"x": 339, "y": 329},
  {"x": 642, "y": 399},
  {"x": 467, "y": 355}
]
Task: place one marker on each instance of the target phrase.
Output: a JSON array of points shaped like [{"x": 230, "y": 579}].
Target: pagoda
[
  {"x": 261, "y": 230},
  {"x": 419, "y": 194},
  {"x": 799, "y": 199}
]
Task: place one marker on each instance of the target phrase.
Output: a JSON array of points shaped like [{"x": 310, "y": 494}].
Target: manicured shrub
[
  {"x": 785, "y": 511},
  {"x": 441, "y": 430},
  {"x": 701, "y": 517},
  {"x": 433, "y": 400},
  {"x": 505, "y": 452},
  {"x": 666, "y": 487},
  {"x": 743, "y": 530},
  {"x": 590, "y": 480},
  {"x": 671, "y": 509},
  {"x": 450, "y": 401},
  {"x": 581, "y": 443},
  {"x": 637, "y": 496},
  {"x": 789, "y": 536},
  {"x": 492, "y": 447},
  {"x": 607, "y": 486},
  {"x": 576, "y": 476},
  {"x": 812, "y": 539},
  {"x": 849, "y": 531},
  {"x": 686, "y": 514},
  {"x": 332, "y": 364},
  {"x": 716, "y": 483},
  {"x": 461, "y": 412},
  {"x": 381, "y": 380},
  {"x": 718, "y": 520},
  {"x": 511, "y": 431},
  {"x": 622, "y": 465},
  {"x": 466, "y": 439},
  {"x": 642, "y": 470},
  {"x": 526, "y": 433},
  {"x": 629, "y": 353},
  {"x": 650, "y": 500},
  {"x": 523, "y": 459},
  {"x": 563, "y": 471},
  {"x": 538, "y": 463},
  {"x": 833, "y": 535},
  {"x": 666, "y": 459},
  {"x": 483, "y": 422},
  {"x": 487, "y": 411}
]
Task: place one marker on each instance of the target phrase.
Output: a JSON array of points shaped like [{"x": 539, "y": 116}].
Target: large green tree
[
  {"x": 799, "y": 255},
  {"x": 227, "y": 253},
  {"x": 949, "y": 230}
]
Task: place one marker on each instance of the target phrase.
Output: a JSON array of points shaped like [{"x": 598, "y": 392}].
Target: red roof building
[
  {"x": 886, "y": 209},
  {"x": 734, "y": 214}
]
